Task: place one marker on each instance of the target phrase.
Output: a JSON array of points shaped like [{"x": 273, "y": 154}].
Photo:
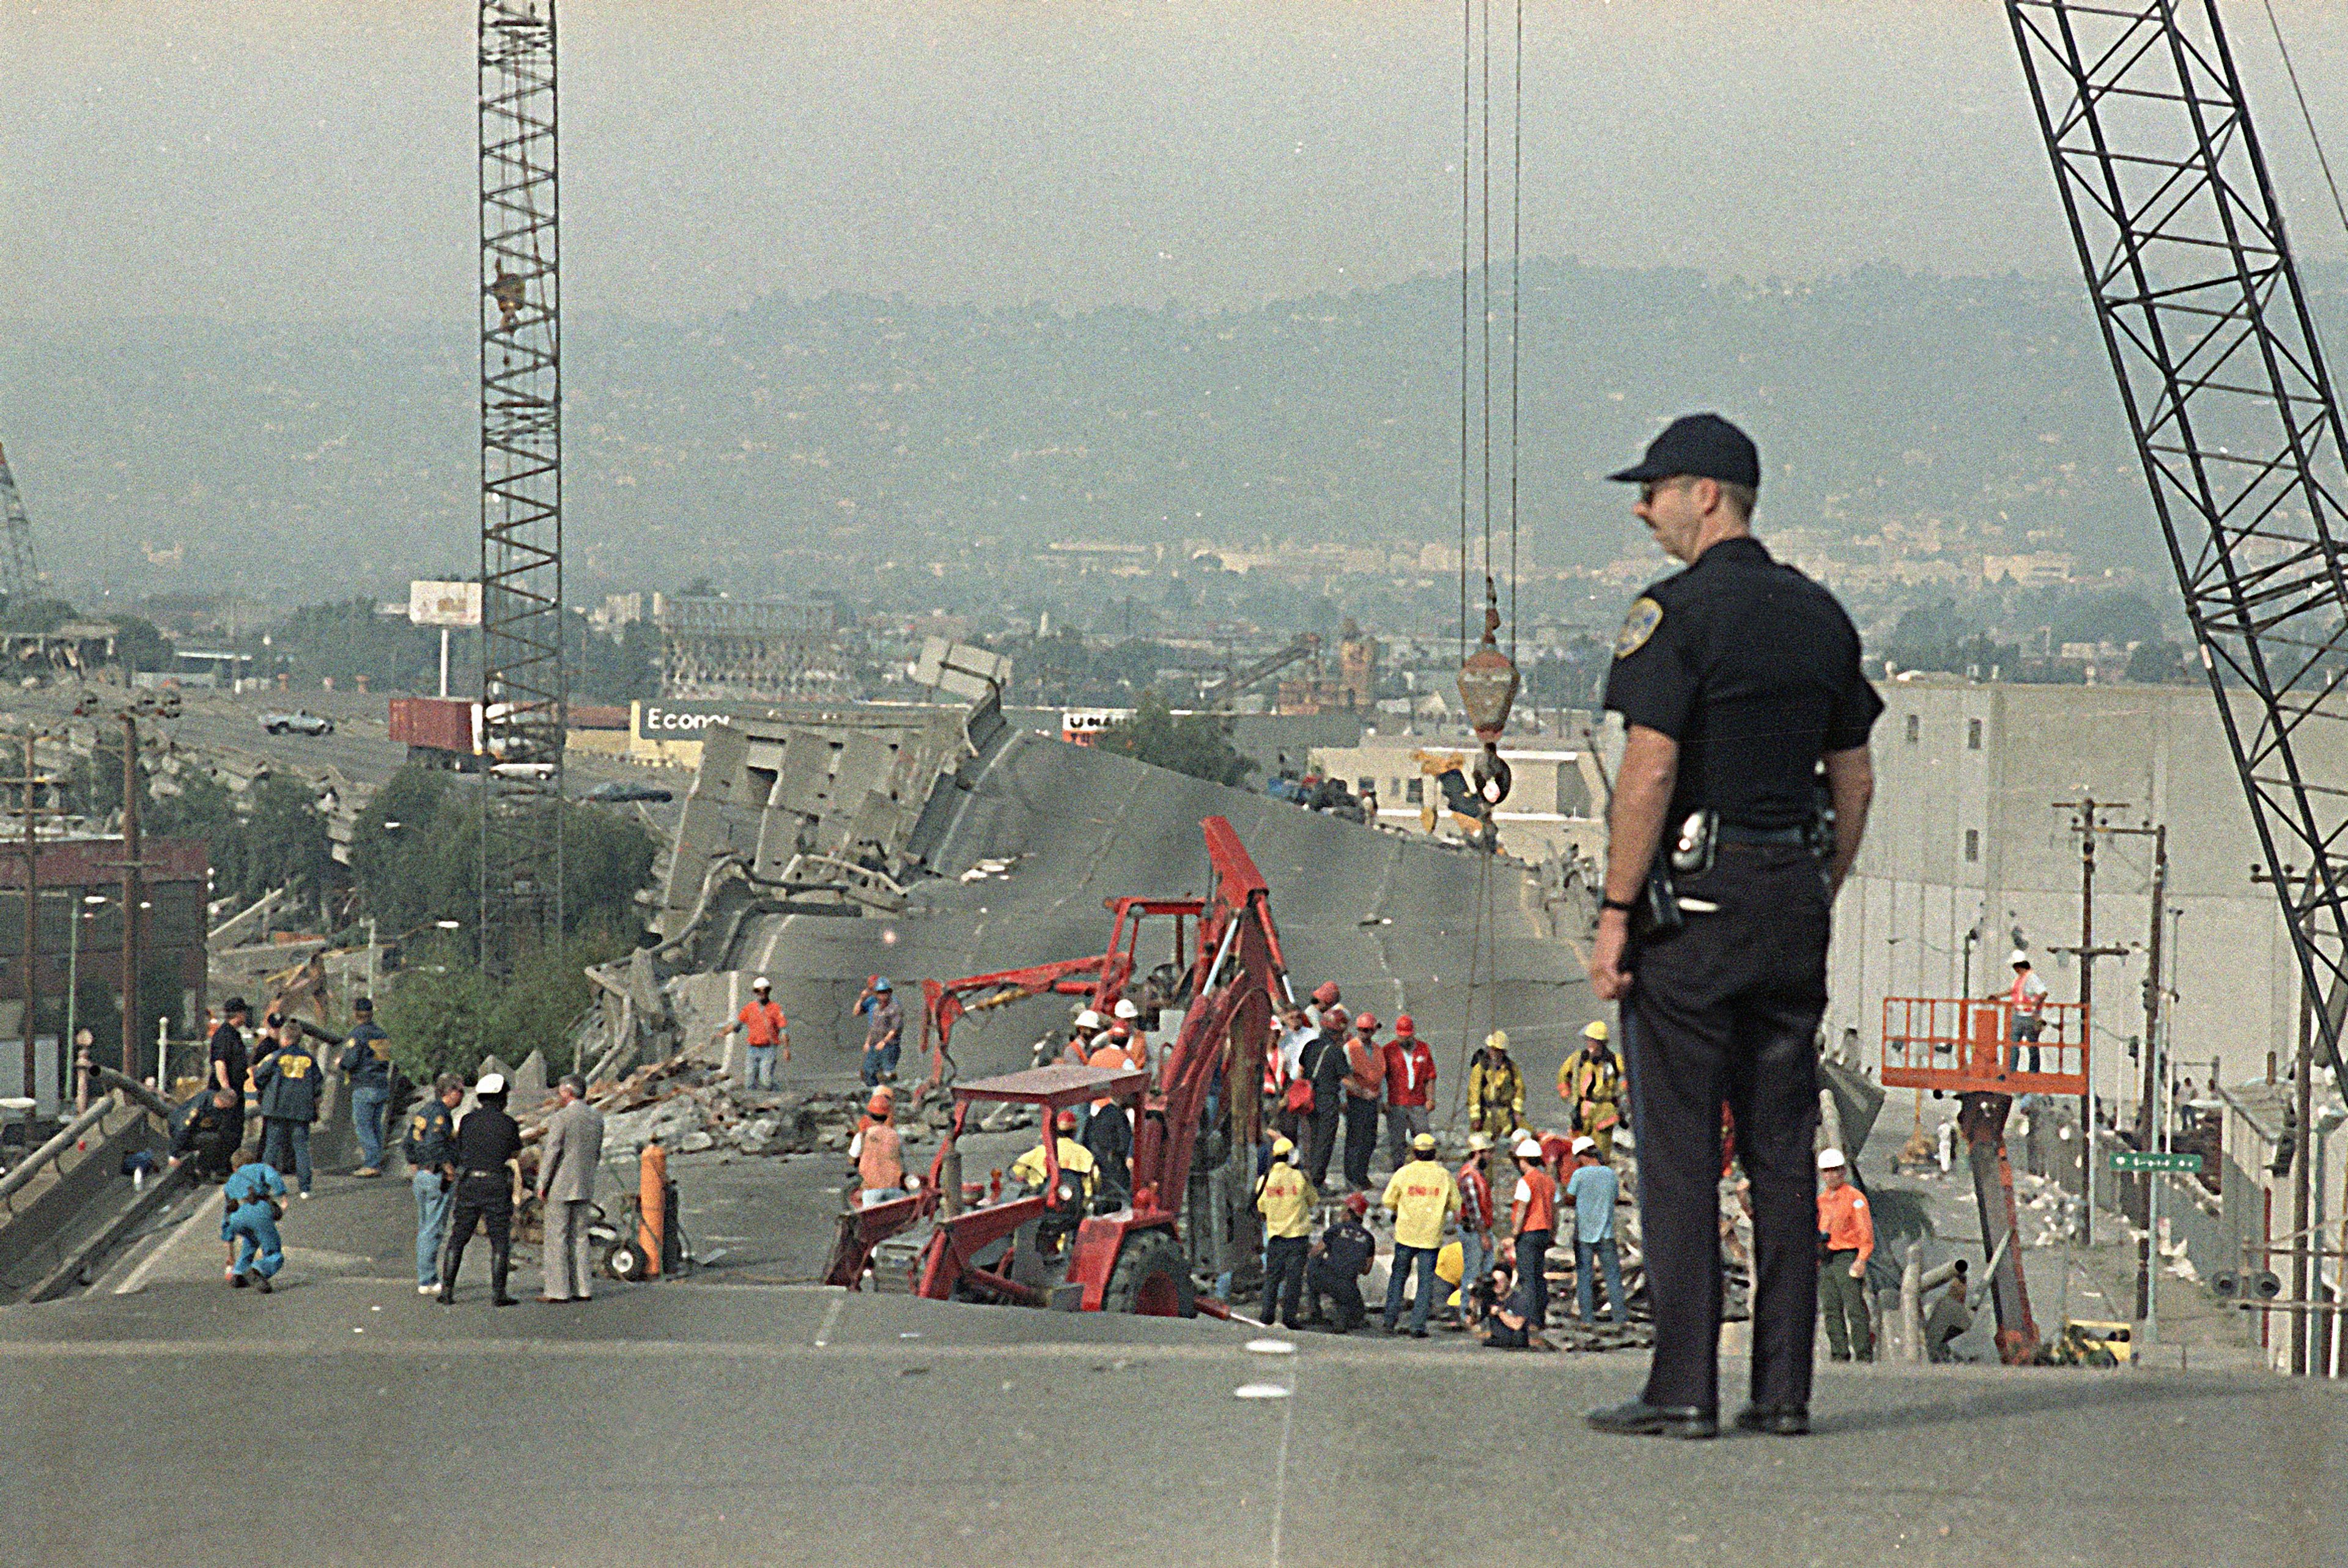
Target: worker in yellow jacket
[
  {"x": 1029, "y": 1168},
  {"x": 1423, "y": 1199},
  {"x": 1496, "y": 1089},
  {"x": 1590, "y": 1085},
  {"x": 1285, "y": 1198}
]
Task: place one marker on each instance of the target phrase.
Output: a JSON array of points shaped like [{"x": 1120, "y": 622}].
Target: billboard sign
[
  {"x": 444, "y": 603},
  {"x": 685, "y": 719}
]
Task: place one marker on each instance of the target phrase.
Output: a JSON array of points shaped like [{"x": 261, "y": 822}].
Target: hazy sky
[{"x": 242, "y": 159}]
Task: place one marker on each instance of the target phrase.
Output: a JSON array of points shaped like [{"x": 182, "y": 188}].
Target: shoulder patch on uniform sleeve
[{"x": 1637, "y": 626}]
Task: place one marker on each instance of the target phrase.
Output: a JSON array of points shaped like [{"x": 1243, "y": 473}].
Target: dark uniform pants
[
  {"x": 1344, "y": 1292},
  {"x": 1284, "y": 1277},
  {"x": 1727, "y": 1008},
  {"x": 1324, "y": 1140},
  {"x": 486, "y": 1201},
  {"x": 1361, "y": 1135}
]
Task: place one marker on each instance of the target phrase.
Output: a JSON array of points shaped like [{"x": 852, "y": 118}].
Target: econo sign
[{"x": 668, "y": 720}]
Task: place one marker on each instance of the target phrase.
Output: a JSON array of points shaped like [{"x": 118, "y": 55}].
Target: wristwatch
[{"x": 1621, "y": 905}]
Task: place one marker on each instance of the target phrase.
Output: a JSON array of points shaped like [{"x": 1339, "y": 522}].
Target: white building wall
[{"x": 1901, "y": 925}]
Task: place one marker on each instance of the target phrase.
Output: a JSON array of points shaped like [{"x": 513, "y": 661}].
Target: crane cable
[
  {"x": 1477, "y": 368},
  {"x": 2307, "y": 116}
]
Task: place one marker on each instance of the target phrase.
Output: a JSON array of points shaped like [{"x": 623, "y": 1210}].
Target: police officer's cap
[
  {"x": 233, "y": 1006},
  {"x": 491, "y": 1085},
  {"x": 1698, "y": 446}
]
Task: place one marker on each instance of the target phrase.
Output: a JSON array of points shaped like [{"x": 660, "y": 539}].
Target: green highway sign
[{"x": 2132, "y": 1160}]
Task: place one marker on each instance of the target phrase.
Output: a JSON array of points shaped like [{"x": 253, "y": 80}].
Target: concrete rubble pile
[{"x": 2045, "y": 1213}]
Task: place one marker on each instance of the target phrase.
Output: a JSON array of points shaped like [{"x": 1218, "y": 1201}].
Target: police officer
[
  {"x": 487, "y": 1142},
  {"x": 430, "y": 1149},
  {"x": 292, "y": 1084},
  {"x": 1736, "y": 679}
]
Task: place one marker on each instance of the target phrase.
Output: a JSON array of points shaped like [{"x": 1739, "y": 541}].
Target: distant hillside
[{"x": 787, "y": 442}]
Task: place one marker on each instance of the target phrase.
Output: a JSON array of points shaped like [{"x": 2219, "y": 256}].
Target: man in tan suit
[{"x": 566, "y": 1186}]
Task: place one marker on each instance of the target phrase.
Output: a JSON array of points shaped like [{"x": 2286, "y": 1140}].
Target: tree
[
  {"x": 445, "y": 1015},
  {"x": 1199, "y": 744}
]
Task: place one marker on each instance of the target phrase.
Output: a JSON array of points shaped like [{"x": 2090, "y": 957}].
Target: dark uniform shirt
[
  {"x": 487, "y": 1139},
  {"x": 431, "y": 1140},
  {"x": 1754, "y": 670},
  {"x": 1347, "y": 1246},
  {"x": 290, "y": 1081},
  {"x": 228, "y": 1046},
  {"x": 367, "y": 1057}
]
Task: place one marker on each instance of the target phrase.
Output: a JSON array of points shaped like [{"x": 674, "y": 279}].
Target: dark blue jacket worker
[
  {"x": 249, "y": 1210},
  {"x": 430, "y": 1149},
  {"x": 487, "y": 1142},
  {"x": 1739, "y": 686},
  {"x": 212, "y": 1133},
  {"x": 290, "y": 1083},
  {"x": 365, "y": 1065}
]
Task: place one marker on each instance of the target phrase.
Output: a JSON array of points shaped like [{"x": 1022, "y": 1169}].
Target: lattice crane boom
[
  {"x": 22, "y": 578},
  {"x": 523, "y": 687},
  {"x": 2202, "y": 311}
]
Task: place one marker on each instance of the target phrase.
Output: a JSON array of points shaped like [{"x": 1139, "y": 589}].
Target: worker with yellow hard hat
[
  {"x": 1423, "y": 1197},
  {"x": 1590, "y": 1085},
  {"x": 1285, "y": 1198},
  {"x": 1496, "y": 1088}
]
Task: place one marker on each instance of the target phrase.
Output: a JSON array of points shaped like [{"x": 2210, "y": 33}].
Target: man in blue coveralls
[{"x": 249, "y": 1207}]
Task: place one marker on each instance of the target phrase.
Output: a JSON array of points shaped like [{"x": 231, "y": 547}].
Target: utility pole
[
  {"x": 2086, "y": 823},
  {"x": 2302, "y": 1277},
  {"x": 131, "y": 896},
  {"x": 2148, "y": 1111}
]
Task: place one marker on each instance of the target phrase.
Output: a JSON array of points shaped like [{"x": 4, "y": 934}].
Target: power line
[{"x": 2306, "y": 117}]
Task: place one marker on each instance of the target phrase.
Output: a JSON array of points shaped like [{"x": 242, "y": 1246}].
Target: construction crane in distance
[
  {"x": 1227, "y": 691},
  {"x": 21, "y": 579},
  {"x": 2173, "y": 210}
]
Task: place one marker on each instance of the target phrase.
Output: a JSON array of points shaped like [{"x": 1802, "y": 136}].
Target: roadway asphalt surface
[{"x": 725, "y": 1419}]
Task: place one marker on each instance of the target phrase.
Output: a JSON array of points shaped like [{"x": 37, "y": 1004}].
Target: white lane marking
[
  {"x": 830, "y": 1320},
  {"x": 1280, "y": 1471},
  {"x": 178, "y": 1232}
]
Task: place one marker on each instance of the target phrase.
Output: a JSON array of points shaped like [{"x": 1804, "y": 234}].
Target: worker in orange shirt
[
  {"x": 1365, "y": 1084},
  {"x": 766, "y": 1031},
  {"x": 1847, "y": 1240}
]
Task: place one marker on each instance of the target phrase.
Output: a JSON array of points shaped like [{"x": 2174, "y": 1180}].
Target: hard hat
[
  {"x": 491, "y": 1084},
  {"x": 1594, "y": 1030},
  {"x": 1125, "y": 1008},
  {"x": 1368, "y": 1022},
  {"x": 1581, "y": 1143},
  {"x": 1088, "y": 1019},
  {"x": 1831, "y": 1160},
  {"x": 1527, "y": 1147},
  {"x": 2018, "y": 959},
  {"x": 1326, "y": 993},
  {"x": 1357, "y": 1204},
  {"x": 1402, "y": 1024},
  {"x": 1496, "y": 1041},
  {"x": 1478, "y": 1143},
  {"x": 1424, "y": 1144},
  {"x": 881, "y": 1102},
  {"x": 1066, "y": 1122},
  {"x": 882, "y": 985},
  {"x": 761, "y": 984},
  {"x": 1280, "y": 1146}
]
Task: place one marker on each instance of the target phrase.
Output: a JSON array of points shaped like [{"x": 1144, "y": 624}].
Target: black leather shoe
[
  {"x": 1636, "y": 1417},
  {"x": 1782, "y": 1420},
  {"x": 506, "y": 1301},
  {"x": 445, "y": 1298}
]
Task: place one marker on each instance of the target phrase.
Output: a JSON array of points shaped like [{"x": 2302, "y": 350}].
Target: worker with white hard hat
[
  {"x": 1850, "y": 1241},
  {"x": 1532, "y": 1217},
  {"x": 2025, "y": 1001},
  {"x": 764, "y": 1031},
  {"x": 1592, "y": 1191}
]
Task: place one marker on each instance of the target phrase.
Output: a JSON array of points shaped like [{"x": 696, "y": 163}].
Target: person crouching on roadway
[
  {"x": 212, "y": 1134},
  {"x": 1423, "y": 1197},
  {"x": 1335, "y": 1270},
  {"x": 1285, "y": 1198},
  {"x": 252, "y": 1202}
]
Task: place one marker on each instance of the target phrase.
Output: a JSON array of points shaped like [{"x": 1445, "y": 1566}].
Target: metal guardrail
[{"x": 40, "y": 1159}]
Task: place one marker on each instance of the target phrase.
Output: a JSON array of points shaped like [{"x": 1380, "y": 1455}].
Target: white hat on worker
[
  {"x": 491, "y": 1084},
  {"x": 1581, "y": 1143},
  {"x": 1528, "y": 1147},
  {"x": 2018, "y": 960},
  {"x": 1125, "y": 1008},
  {"x": 761, "y": 984},
  {"x": 1831, "y": 1160},
  {"x": 1088, "y": 1019}
]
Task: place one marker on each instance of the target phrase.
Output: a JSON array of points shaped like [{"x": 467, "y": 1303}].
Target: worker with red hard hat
[
  {"x": 879, "y": 1151},
  {"x": 1410, "y": 1085},
  {"x": 1365, "y": 1082}
]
